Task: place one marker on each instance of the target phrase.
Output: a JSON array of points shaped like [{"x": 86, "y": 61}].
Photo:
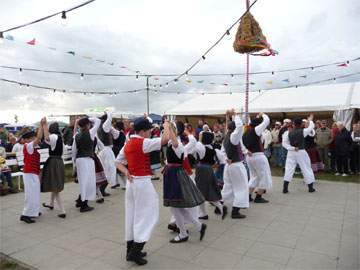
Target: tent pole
[
  {"x": 147, "y": 96},
  {"x": 247, "y": 79}
]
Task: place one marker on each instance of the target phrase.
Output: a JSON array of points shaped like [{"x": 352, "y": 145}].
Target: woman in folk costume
[
  {"x": 294, "y": 142},
  {"x": 101, "y": 181},
  {"x": 118, "y": 145},
  {"x": 31, "y": 172},
  {"x": 180, "y": 192},
  {"x": 205, "y": 178},
  {"x": 82, "y": 155},
  {"x": 310, "y": 147},
  {"x": 235, "y": 190},
  {"x": 260, "y": 174},
  {"x": 106, "y": 133},
  {"x": 141, "y": 199},
  {"x": 53, "y": 173}
]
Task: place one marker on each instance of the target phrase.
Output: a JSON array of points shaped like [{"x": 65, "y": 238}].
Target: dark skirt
[
  {"x": 316, "y": 163},
  {"x": 179, "y": 190},
  {"x": 53, "y": 175},
  {"x": 99, "y": 172},
  {"x": 207, "y": 182}
]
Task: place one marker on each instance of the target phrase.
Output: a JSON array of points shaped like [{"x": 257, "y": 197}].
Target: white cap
[{"x": 287, "y": 120}]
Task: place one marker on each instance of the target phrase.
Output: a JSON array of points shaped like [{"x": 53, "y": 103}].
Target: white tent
[{"x": 319, "y": 98}]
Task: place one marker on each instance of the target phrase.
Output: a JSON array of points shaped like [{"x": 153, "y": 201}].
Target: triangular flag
[
  {"x": 9, "y": 37},
  {"x": 86, "y": 57},
  {"x": 342, "y": 65},
  {"x": 71, "y": 52},
  {"x": 269, "y": 82},
  {"x": 252, "y": 83},
  {"x": 188, "y": 81},
  {"x": 225, "y": 84},
  {"x": 212, "y": 83},
  {"x": 286, "y": 80},
  {"x": 111, "y": 64},
  {"x": 100, "y": 61},
  {"x": 303, "y": 76},
  {"x": 31, "y": 42},
  {"x": 201, "y": 81},
  {"x": 123, "y": 67}
]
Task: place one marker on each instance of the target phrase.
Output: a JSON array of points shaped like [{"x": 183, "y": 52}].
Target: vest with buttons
[
  {"x": 252, "y": 141},
  {"x": 58, "y": 150},
  {"x": 171, "y": 156},
  {"x": 106, "y": 138},
  {"x": 84, "y": 145},
  {"x": 209, "y": 157},
  {"x": 31, "y": 161},
  {"x": 296, "y": 138},
  {"x": 233, "y": 152},
  {"x": 138, "y": 161}
]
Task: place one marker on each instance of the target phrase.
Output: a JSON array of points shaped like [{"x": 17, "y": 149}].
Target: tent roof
[{"x": 302, "y": 99}]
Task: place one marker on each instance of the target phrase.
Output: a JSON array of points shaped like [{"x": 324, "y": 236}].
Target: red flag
[
  {"x": 31, "y": 42},
  {"x": 342, "y": 65}
]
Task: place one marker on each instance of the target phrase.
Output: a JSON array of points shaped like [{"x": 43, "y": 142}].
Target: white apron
[
  {"x": 300, "y": 157},
  {"x": 141, "y": 209},
  {"x": 236, "y": 189},
  {"x": 260, "y": 174},
  {"x": 85, "y": 168},
  {"x": 32, "y": 195},
  {"x": 107, "y": 158}
]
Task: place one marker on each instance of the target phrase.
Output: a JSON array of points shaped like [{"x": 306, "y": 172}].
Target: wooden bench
[{"x": 18, "y": 162}]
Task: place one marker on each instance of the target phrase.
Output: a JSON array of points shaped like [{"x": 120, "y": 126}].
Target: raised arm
[
  {"x": 260, "y": 128},
  {"x": 236, "y": 136},
  {"x": 166, "y": 135},
  {"x": 286, "y": 142},
  {"x": 96, "y": 124},
  {"x": 189, "y": 147},
  {"x": 115, "y": 133},
  {"x": 39, "y": 133},
  {"x": 107, "y": 124}
]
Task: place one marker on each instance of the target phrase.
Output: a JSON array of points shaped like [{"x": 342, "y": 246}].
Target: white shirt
[
  {"x": 259, "y": 129},
  {"x": 236, "y": 135},
  {"x": 52, "y": 141},
  {"x": 266, "y": 138},
  {"x": 149, "y": 145},
  {"x": 285, "y": 137},
  {"x": 29, "y": 147},
  {"x": 200, "y": 149},
  {"x": 17, "y": 148}
]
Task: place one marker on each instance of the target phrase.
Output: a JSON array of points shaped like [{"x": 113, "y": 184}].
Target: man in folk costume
[
  {"x": 82, "y": 155},
  {"x": 180, "y": 191},
  {"x": 53, "y": 173},
  {"x": 31, "y": 172},
  {"x": 260, "y": 174},
  {"x": 118, "y": 144},
  {"x": 141, "y": 199},
  {"x": 106, "y": 133},
  {"x": 294, "y": 141},
  {"x": 235, "y": 190}
]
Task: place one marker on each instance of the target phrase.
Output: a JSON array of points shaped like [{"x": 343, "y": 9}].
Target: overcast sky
[{"x": 162, "y": 36}]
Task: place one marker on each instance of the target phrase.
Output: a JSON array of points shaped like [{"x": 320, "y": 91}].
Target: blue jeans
[
  {"x": 276, "y": 155},
  {"x": 283, "y": 154},
  {"x": 6, "y": 176}
]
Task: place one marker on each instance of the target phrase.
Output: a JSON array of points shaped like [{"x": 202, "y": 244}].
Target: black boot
[
  {"x": 260, "y": 199},
  {"x": 285, "y": 187},
  {"x": 311, "y": 187},
  {"x": 250, "y": 198},
  {"x": 78, "y": 202},
  {"x": 134, "y": 254},
  {"x": 102, "y": 190},
  {"x": 235, "y": 213},
  {"x": 85, "y": 208},
  {"x": 129, "y": 245}
]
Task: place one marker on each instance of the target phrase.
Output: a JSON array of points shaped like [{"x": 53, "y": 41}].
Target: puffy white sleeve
[
  {"x": 309, "y": 130},
  {"x": 179, "y": 150},
  {"x": 286, "y": 142},
  {"x": 107, "y": 124},
  {"x": 236, "y": 135},
  {"x": 189, "y": 147},
  {"x": 121, "y": 157},
  {"x": 221, "y": 156},
  {"x": 73, "y": 151},
  {"x": 115, "y": 133},
  {"x": 260, "y": 128},
  {"x": 200, "y": 149},
  {"x": 96, "y": 124},
  {"x": 52, "y": 141},
  {"x": 150, "y": 145}
]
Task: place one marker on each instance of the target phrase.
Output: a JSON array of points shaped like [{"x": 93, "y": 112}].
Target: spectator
[
  {"x": 12, "y": 141},
  {"x": 323, "y": 140},
  {"x": 276, "y": 146},
  {"x": 4, "y": 134},
  {"x": 355, "y": 150},
  {"x": 343, "y": 144},
  {"x": 266, "y": 140},
  {"x": 310, "y": 147},
  {"x": 283, "y": 151},
  {"x": 334, "y": 132},
  {"x": 199, "y": 128},
  {"x": 68, "y": 133},
  {"x": 5, "y": 172},
  {"x": 218, "y": 136},
  {"x": 317, "y": 124}
]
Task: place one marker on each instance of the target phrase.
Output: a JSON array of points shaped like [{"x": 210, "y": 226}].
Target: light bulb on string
[
  {"x": 28, "y": 86},
  {"x": 272, "y": 73},
  {"x": 156, "y": 91},
  {"x": 312, "y": 68},
  {"x": 334, "y": 79},
  {"x": 167, "y": 85},
  {"x": 136, "y": 77},
  {"x": 63, "y": 18},
  {"x": 160, "y": 86},
  {"x": 1, "y": 37},
  {"x": 20, "y": 71},
  {"x": 232, "y": 76},
  {"x": 175, "y": 81},
  {"x": 81, "y": 76}
]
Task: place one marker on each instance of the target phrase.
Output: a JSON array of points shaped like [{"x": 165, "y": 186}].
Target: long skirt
[
  {"x": 207, "y": 182},
  {"x": 99, "y": 172},
  {"x": 85, "y": 168},
  {"x": 179, "y": 190},
  {"x": 53, "y": 175},
  {"x": 107, "y": 159},
  {"x": 316, "y": 163}
]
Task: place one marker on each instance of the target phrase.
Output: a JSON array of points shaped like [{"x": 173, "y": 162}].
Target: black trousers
[
  {"x": 355, "y": 159},
  {"x": 342, "y": 163},
  {"x": 333, "y": 160}
]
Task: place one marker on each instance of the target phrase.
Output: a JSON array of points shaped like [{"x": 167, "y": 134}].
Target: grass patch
[{"x": 7, "y": 263}]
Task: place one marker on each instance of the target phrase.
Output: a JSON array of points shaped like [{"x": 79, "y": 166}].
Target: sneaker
[
  {"x": 260, "y": 200},
  {"x": 344, "y": 174},
  {"x": 337, "y": 174}
]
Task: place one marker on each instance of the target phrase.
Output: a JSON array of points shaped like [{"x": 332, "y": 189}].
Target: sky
[{"x": 162, "y": 36}]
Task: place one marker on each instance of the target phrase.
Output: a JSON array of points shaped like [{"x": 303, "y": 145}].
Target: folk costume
[
  {"x": 53, "y": 173},
  {"x": 118, "y": 145},
  {"x": 235, "y": 190},
  {"x": 101, "y": 181},
  {"x": 260, "y": 174},
  {"x": 83, "y": 154},
  {"x": 141, "y": 199},
  {"x": 181, "y": 193},
  {"x": 205, "y": 178},
  {"x": 294, "y": 142}
]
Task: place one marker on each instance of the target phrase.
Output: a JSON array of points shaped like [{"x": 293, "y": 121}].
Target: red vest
[
  {"x": 138, "y": 161},
  {"x": 31, "y": 162}
]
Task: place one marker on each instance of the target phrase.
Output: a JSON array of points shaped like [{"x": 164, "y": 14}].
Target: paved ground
[{"x": 295, "y": 231}]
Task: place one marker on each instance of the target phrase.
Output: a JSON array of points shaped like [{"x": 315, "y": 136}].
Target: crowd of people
[{"x": 226, "y": 166}]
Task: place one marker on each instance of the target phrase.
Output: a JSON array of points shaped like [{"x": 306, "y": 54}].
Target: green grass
[{"x": 6, "y": 263}]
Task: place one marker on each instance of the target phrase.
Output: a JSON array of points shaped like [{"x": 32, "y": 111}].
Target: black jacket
[{"x": 343, "y": 142}]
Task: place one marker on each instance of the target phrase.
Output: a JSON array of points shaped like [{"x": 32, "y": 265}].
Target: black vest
[
  {"x": 58, "y": 150},
  {"x": 252, "y": 141},
  {"x": 296, "y": 137},
  {"x": 106, "y": 138},
  {"x": 209, "y": 157},
  {"x": 119, "y": 143},
  {"x": 172, "y": 157},
  {"x": 84, "y": 145},
  {"x": 233, "y": 152}
]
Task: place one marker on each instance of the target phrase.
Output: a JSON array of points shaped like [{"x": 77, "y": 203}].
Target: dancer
[
  {"x": 260, "y": 174},
  {"x": 180, "y": 192},
  {"x": 53, "y": 173},
  {"x": 235, "y": 190},
  {"x": 205, "y": 178},
  {"x": 82, "y": 155},
  {"x": 141, "y": 199},
  {"x": 118, "y": 145},
  {"x": 31, "y": 172},
  {"x": 294, "y": 142},
  {"x": 106, "y": 133},
  {"x": 101, "y": 181}
]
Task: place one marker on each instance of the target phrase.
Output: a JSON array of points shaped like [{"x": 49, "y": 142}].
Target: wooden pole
[{"x": 247, "y": 82}]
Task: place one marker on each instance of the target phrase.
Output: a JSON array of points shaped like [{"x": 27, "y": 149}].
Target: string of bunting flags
[{"x": 156, "y": 91}]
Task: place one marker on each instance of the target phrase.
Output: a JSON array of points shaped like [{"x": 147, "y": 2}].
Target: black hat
[
  {"x": 207, "y": 137},
  {"x": 180, "y": 127},
  {"x": 54, "y": 128},
  {"x": 231, "y": 126},
  {"x": 142, "y": 123},
  {"x": 83, "y": 122},
  {"x": 28, "y": 135},
  {"x": 297, "y": 121},
  {"x": 256, "y": 121}
]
